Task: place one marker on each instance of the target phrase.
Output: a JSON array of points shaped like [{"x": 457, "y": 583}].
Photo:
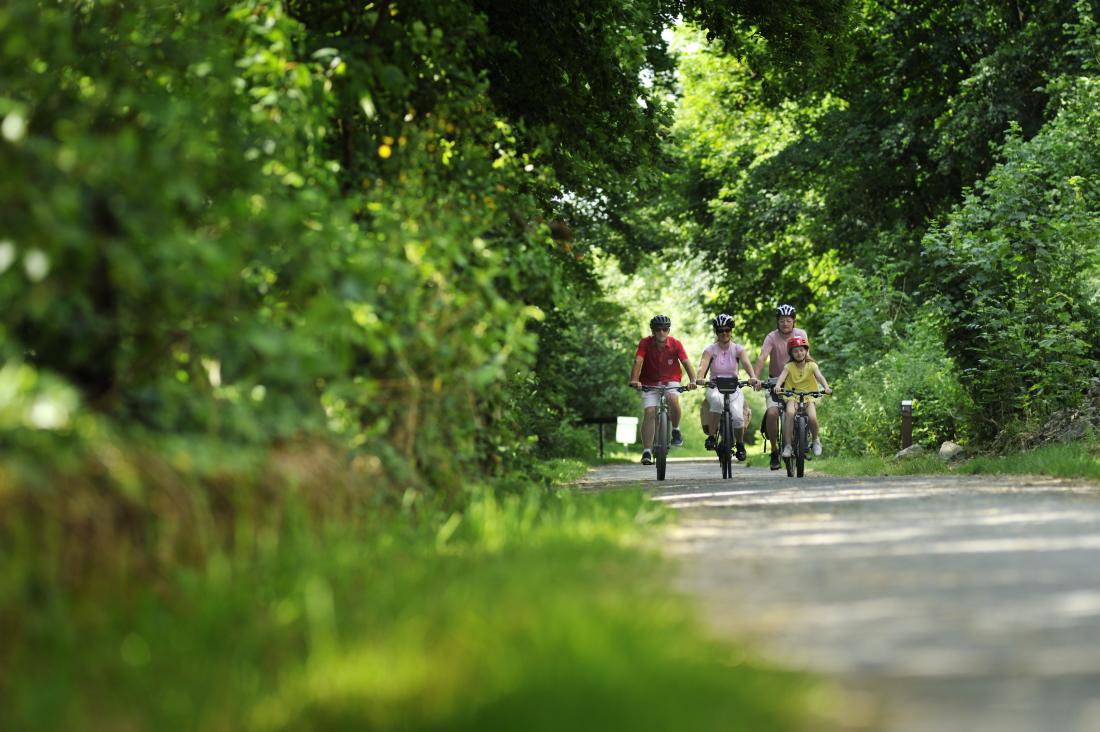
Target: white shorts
[
  {"x": 653, "y": 398},
  {"x": 770, "y": 402},
  {"x": 715, "y": 402}
]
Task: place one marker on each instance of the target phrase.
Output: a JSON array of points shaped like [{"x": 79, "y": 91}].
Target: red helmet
[{"x": 797, "y": 341}]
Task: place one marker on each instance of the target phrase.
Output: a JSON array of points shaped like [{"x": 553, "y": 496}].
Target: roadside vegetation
[
  {"x": 535, "y": 608},
  {"x": 1078, "y": 459}
]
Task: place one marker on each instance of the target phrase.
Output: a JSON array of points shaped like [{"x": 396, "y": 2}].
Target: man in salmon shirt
[
  {"x": 774, "y": 351},
  {"x": 657, "y": 363}
]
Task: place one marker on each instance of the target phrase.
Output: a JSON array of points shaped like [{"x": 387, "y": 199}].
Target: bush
[
  {"x": 863, "y": 417},
  {"x": 1016, "y": 265}
]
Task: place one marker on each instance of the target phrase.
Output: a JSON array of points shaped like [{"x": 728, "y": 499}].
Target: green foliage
[
  {"x": 864, "y": 416},
  {"x": 866, "y": 318},
  {"x": 830, "y": 199},
  {"x": 855, "y": 172},
  {"x": 1016, "y": 264}
]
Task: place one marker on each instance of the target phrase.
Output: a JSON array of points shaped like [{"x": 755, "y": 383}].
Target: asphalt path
[{"x": 939, "y": 602}]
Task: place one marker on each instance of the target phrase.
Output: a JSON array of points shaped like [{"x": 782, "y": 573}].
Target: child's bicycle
[
  {"x": 800, "y": 440},
  {"x": 662, "y": 436},
  {"x": 726, "y": 386}
]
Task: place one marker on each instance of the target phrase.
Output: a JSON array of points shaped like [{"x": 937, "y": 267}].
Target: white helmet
[
  {"x": 724, "y": 320},
  {"x": 785, "y": 309}
]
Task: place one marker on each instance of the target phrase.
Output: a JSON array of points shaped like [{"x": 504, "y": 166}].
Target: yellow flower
[{"x": 384, "y": 151}]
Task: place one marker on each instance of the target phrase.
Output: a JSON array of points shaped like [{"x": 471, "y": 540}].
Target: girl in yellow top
[{"x": 800, "y": 374}]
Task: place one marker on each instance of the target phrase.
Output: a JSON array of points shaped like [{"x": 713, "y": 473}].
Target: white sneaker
[
  {"x": 787, "y": 451},
  {"x": 817, "y": 447}
]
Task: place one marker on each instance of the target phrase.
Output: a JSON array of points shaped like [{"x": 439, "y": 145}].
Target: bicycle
[
  {"x": 726, "y": 385},
  {"x": 800, "y": 440},
  {"x": 662, "y": 434}
]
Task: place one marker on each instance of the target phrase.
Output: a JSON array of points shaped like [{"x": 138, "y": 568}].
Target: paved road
[{"x": 942, "y": 603}]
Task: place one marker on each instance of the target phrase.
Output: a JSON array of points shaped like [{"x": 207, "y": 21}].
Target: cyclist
[
  {"x": 657, "y": 363},
  {"x": 801, "y": 374},
  {"x": 722, "y": 358},
  {"x": 774, "y": 351}
]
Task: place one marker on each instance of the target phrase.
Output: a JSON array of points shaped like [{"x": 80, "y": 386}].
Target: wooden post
[{"x": 906, "y": 423}]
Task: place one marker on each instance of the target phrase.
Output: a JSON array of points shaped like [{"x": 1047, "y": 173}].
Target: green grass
[
  {"x": 538, "y": 610},
  {"x": 1063, "y": 460}
]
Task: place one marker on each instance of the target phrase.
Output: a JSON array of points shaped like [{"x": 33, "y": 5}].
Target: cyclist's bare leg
[
  {"x": 747, "y": 412},
  {"x": 674, "y": 409},
  {"x": 788, "y": 422},
  {"x": 711, "y": 421},
  {"x": 811, "y": 416},
  {"x": 648, "y": 427},
  {"x": 771, "y": 425}
]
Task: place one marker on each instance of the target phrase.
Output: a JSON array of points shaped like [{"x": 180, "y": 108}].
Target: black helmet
[
  {"x": 785, "y": 309},
  {"x": 724, "y": 320},
  {"x": 660, "y": 321}
]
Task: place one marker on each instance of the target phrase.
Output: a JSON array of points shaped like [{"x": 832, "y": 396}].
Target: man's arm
[
  {"x": 636, "y": 372},
  {"x": 691, "y": 372},
  {"x": 764, "y": 351}
]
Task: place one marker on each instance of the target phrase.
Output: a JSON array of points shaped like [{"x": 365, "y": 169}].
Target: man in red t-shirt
[{"x": 657, "y": 363}]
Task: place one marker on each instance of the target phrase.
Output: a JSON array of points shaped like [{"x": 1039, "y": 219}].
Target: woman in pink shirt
[{"x": 722, "y": 358}]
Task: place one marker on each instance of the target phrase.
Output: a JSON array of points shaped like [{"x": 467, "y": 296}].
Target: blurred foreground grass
[{"x": 531, "y": 608}]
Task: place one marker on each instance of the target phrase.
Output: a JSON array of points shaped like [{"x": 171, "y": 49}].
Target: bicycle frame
[
  {"x": 662, "y": 432},
  {"x": 801, "y": 427},
  {"x": 726, "y": 386}
]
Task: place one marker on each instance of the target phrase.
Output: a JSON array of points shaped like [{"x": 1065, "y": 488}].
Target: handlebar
[
  {"x": 725, "y": 384},
  {"x": 712, "y": 384},
  {"x": 643, "y": 387},
  {"x": 801, "y": 394}
]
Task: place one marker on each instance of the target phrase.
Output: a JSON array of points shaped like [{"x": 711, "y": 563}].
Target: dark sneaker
[
  {"x": 677, "y": 438},
  {"x": 647, "y": 457},
  {"x": 740, "y": 452},
  {"x": 710, "y": 444},
  {"x": 775, "y": 460}
]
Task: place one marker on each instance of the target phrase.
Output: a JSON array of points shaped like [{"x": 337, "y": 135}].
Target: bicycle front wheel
[
  {"x": 660, "y": 445},
  {"x": 725, "y": 445},
  {"x": 800, "y": 447}
]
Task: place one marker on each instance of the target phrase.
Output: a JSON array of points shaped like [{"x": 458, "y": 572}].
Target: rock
[
  {"x": 950, "y": 450},
  {"x": 911, "y": 451}
]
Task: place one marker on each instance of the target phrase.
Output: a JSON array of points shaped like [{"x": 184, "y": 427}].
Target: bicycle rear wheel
[
  {"x": 799, "y": 443},
  {"x": 660, "y": 445},
  {"x": 726, "y": 445}
]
